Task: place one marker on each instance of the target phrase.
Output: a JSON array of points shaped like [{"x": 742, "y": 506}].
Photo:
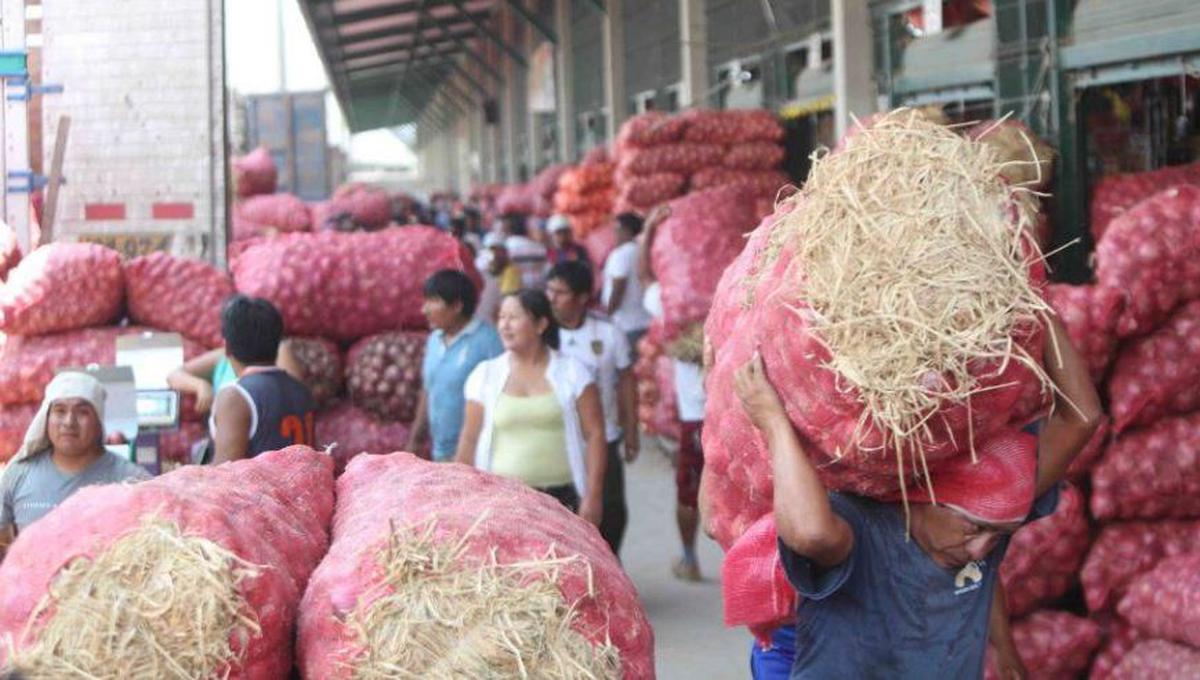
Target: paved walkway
[{"x": 691, "y": 643}]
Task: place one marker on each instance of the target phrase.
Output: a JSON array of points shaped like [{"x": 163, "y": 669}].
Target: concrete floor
[{"x": 691, "y": 642}]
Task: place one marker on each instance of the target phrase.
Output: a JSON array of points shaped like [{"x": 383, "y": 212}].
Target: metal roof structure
[{"x": 388, "y": 59}]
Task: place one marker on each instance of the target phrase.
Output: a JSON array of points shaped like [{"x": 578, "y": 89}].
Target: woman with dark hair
[{"x": 534, "y": 414}]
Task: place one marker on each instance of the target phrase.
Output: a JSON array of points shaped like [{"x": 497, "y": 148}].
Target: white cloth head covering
[
  {"x": 557, "y": 223},
  {"x": 69, "y": 385}
]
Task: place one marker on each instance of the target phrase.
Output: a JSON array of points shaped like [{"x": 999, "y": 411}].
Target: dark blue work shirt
[{"x": 889, "y": 611}]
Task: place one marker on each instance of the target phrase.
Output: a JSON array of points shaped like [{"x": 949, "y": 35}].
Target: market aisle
[{"x": 691, "y": 643}]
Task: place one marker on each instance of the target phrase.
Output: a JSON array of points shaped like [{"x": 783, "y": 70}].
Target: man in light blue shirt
[{"x": 456, "y": 346}]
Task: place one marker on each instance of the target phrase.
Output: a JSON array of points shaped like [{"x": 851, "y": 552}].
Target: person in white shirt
[
  {"x": 597, "y": 344},
  {"x": 528, "y": 255},
  {"x": 533, "y": 414},
  {"x": 623, "y": 291}
]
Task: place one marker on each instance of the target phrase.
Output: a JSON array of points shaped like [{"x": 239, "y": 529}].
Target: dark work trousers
[{"x": 616, "y": 513}]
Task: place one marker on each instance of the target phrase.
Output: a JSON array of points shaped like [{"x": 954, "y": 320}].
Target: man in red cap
[{"x": 880, "y": 601}]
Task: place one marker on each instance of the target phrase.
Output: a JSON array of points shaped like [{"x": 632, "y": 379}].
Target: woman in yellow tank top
[{"x": 533, "y": 414}]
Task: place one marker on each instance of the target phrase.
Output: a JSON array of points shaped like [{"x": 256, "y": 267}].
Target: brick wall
[{"x": 144, "y": 92}]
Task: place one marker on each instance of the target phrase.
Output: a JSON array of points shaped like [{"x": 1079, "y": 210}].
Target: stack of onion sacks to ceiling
[{"x": 896, "y": 302}]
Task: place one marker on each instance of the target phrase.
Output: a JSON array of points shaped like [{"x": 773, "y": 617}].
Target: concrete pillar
[
  {"x": 693, "y": 43},
  {"x": 614, "y": 67},
  {"x": 853, "y": 90},
  {"x": 564, "y": 85},
  {"x": 508, "y": 117},
  {"x": 533, "y": 151}
]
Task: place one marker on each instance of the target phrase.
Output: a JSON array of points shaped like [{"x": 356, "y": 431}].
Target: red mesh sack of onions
[
  {"x": 201, "y": 569},
  {"x": 651, "y": 128},
  {"x": 29, "y": 363},
  {"x": 1165, "y": 601},
  {"x": 1114, "y": 194},
  {"x": 684, "y": 158},
  {"x": 14, "y": 421},
  {"x": 373, "y": 280},
  {"x": 1043, "y": 559},
  {"x": 513, "y": 583},
  {"x": 1158, "y": 659},
  {"x": 1126, "y": 550},
  {"x": 1158, "y": 374},
  {"x": 655, "y": 373},
  {"x": 1152, "y": 254},
  {"x": 1119, "y": 639},
  {"x": 1053, "y": 645},
  {"x": 255, "y": 173},
  {"x": 283, "y": 212},
  {"x": 806, "y": 293},
  {"x": 639, "y": 193},
  {"x": 1151, "y": 473},
  {"x": 365, "y": 206},
  {"x": 62, "y": 287},
  {"x": 320, "y": 363},
  {"x": 177, "y": 294},
  {"x": 352, "y": 431},
  {"x": 10, "y": 250},
  {"x": 383, "y": 374},
  {"x": 763, "y": 182},
  {"x": 732, "y": 126},
  {"x": 1089, "y": 314},
  {"x": 753, "y": 156},
  {"x": 704, "y": 233}
]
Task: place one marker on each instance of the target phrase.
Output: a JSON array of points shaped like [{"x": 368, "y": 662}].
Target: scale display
[{"x": 157, "y": 408}]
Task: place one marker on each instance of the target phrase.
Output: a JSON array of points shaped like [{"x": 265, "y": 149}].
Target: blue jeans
[{"x": 774, "y": 663}]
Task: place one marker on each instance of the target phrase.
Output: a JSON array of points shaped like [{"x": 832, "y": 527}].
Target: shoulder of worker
[
  {"x": 123, "y": 470},
  {"x": 570, "y": 371},
  {"x": 16, "y": 472},
  {"x": 602, "y": 322}
]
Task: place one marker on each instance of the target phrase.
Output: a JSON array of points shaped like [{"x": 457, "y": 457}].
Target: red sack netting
[
  {"x": 1042, "y": 562},
  {"x": 760, "y": 306},
  {"x": 206, "y": 564},
  {"x": 593, "y": 201},
  {"x": 755, "y": 590},
  {"x": 244, "y": 230},
  {"x": 651, "y": 129},
  {"x": 367, "y": 207},
  {"x": 255, "y": 173},
  {"x": 1124, "y": 551},
  {"x": 10, "y": 250},
  {"x": 1152, "y": 254},
  {"x": 762, "y": 182},
  {"x": 753, "y": 156},
  {"x": 352, "y": 431},
  {"x": 1119, "y": 639},
  {"x": 739, "y": 126},
  {"x": 1030, "y": 161},
  {"x": 320, "y": 363},
  {"x": 585, "y": 195},
  {"x": 684, "y": 159},
  {"x": 1158, "y": 375},
  {"x": 1053, "y": 645},
  {"x": 177, "y": 294},
  {"x": 1150, "y": 473},
  {"x": 1158, "y": 660},
  {"x": 383, "y": 374},
  {"x": 14, "y": 421},
  {"x": 596, "y": 154},
  {"x": 1089, "y": 314},
  {"x": 517, "y": 583},
  {"x": 658, "y": 411},
  {"x": 61, "y": 287},
  {"x": 640, "y": 193},
  {"x": 1165, "y": 602},
  {"x": 282, "y": 212},
  {"x": 599, "y": 244},
  {"x": 28, "y": 364},
  {"x": 348, "y": 286},
  {"x": 544, "y": 185},
  {"x": 704, "y": 233},
  {"x": 516, "y": 199},
  {"x": 1115, "y": 194}
]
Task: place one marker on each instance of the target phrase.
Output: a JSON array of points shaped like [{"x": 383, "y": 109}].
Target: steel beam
[
  {"x": 487, "y": 30},
  {"x": 533, "y": 20},
  {"x": 448, "y": 38},
  {"x": 426, "y": 58},
  {"x": 396, "y": 31},
  {"x": 474, "y": 54},
  {"x": 475, "y": 84}
]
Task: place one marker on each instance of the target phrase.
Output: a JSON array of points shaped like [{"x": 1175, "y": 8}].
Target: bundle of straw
[
  {"x": 146, "y": 607},
  {"x": 912, "y": 264}
]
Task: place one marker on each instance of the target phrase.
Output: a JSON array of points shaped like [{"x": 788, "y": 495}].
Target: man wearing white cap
[
  {"x": 63, "y": 452},
  {"x": 563, "y": 247}
]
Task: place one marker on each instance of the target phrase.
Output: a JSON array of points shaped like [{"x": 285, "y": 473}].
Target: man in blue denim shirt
[
  {"x": 883, "y": 596},
  {"x": 455, "y": 347}
]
